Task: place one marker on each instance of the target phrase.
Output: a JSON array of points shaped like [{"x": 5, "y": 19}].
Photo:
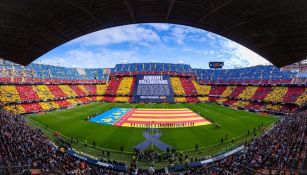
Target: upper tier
[{"x": 45, "y": 73}]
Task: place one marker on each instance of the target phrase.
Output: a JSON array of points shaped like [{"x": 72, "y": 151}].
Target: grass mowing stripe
[{"x": 71, "y": 123}]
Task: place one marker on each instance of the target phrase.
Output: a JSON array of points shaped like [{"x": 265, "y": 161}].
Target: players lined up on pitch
[{"x": 162, "y": 125}]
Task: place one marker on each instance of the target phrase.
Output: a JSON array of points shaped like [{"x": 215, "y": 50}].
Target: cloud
[
  {"x": 116, "y": 35},
  {"x": 145, "y": 42},
  {"x": 90, "y": 59},
  {"x": 239, "y": 55},
  {"x": 160, "y": 26}
]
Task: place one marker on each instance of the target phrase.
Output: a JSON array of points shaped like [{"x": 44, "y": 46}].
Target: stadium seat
[
  {"x": 43, "y": 92},
  {"x": 15, "y": 108},
  {"x": 277, "y": 94},
  {"x": 180, "y": 99},
  {"x": 302, "y": 99},
  {"x": 113, "y": 85},
  {"x": 56, "y": 91},
  {"x": 188, "y": 86},
  {"x": 121, "y": 99},
  {"x": 9, "y": 93},
  {"x": 30, "y": 94},
  {"x": 101, "y": 88},
  {"x": 177, "y": 86},
  {"x": 124, "y": 87},
  {"x": 248, "y": 92},
  {"x": 68, "y": 91},
  {"x": 228, "y": 91}
]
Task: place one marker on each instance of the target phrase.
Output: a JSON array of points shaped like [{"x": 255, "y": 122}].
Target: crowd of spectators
[
  {"x": 23, "y": 146},
  {"x": 283, "y": 147}
]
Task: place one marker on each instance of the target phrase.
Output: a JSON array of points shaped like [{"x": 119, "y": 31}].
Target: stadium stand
[
  {"x": 188, "y": 86},
  {"x": 201, "y": 89},
  {"x": 9, "y": 93},
  {"x": 177, "y": 86},
  {"x": 185, "y": 82},
  {"x": 276, "y": 94},
  {"x": 251, "y": 75},
  {"x": 40, "y": 73},
  {"x": 261, "y": 93},
  {"x": 237, "y": 91},
  {"x": 43, "y": 92},
  {"x": 267, "y": 90},
  {"x": 248, "y": 92},
  {"x": 125, "y": 86}
]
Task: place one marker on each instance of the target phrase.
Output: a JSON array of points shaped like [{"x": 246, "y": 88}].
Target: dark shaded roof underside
[{"x": 275, "y": 29}]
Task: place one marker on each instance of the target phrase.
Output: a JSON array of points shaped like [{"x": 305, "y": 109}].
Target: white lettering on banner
[
  {"x": 153, "y": 80},
  {"x": 103, "y": 164},
  {"x": 80, "y": 157}
]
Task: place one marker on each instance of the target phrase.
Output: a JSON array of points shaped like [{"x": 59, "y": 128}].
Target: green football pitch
[{"x": 73, "y": 123}]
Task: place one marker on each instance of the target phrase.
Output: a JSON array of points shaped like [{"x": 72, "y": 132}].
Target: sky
[{"x": 152, "y": 42}]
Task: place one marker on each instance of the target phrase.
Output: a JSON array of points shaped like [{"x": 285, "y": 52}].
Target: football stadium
[{"x": 153, "y": 117}]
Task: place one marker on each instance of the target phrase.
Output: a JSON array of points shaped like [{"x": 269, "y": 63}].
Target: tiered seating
[
  {"x": 238, "y": 90},
  {"x": 9, "y": 93},
  {"x": 220, "y": 100},
  {"x": 203, "y": 99},
  {"x": 108, "y": 98},
  {"x": 43, "y": 92},
  {"x": 56, "y": 91},
  {"x": 288, "y": 108},
  {"x": 230, "y": 101},
  {"x": 113, "y": 85},
  {"x": 177, "y": 86},
  {"x": 188, "y": 86},
  {"x": 99, "y": 98},
  {"x": 213, "y": 98},
  {"x": 84, "y": 100},
  {"x": 293, "y": 93},
  {"x": 277, "y": 94},
  {"x": 255, "y": 75},
  {"x": 201, "y": 89},
  {"x": 30, "y": 94},
  {"x": 73, "y": 101},
  {"x": 302, "y": 99},
  {"x": 67, "y": 90},
  {"x": 77, "y": 90},
  {"x": 261, "y": 93},
  {"x": 62, "y": 103},
  {"x": 228, "y": 91},
  {"x": 241, "y": 104},
  {"x": 18, "y": 109},
  {"x": 41, "y": 97},
  {"x": 192, "y": 99},
  {"x": 255, "y": 106},
  {"x": 180, "y": 99},
  {"x": 88, "y": 88},
  {"x": 46, "y": 106},
  {"x": 125, "y": 86},
  {"x": 122, "y": 99},
  {"x": 217, "y": 90},
  {"x": 101, "y": 88},
  {"x": 248, "y": 92},
  {"x": 47, "y": 73},
  {"x": 273, "y": 107},
  {"x": 32, "y": 107},
  {"x": 85, "y": 90},
  {"x": 151, "y": 68}
]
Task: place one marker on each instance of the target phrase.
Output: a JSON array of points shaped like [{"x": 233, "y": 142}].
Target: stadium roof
[{"x": 275, "y": 29}]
